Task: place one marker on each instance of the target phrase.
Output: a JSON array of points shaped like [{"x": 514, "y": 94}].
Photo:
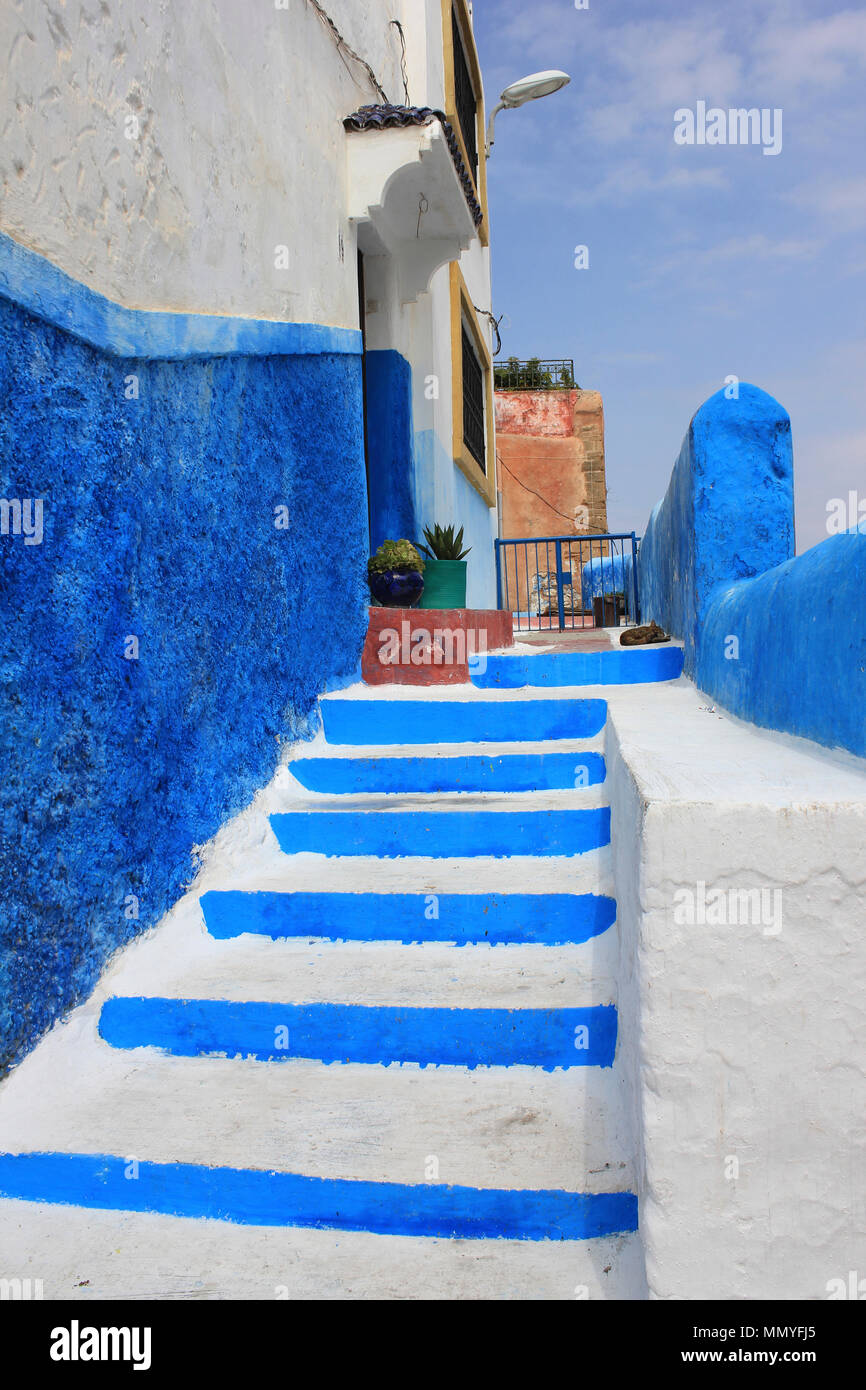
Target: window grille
[
  {"x": 465, "y": 100},
  {"x": 473, "y": 402}
]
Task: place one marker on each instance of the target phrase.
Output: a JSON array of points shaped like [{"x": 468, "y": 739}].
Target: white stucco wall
[
  {"x": 240, "y": 148},
  {"x": 744, "y": 1046}
]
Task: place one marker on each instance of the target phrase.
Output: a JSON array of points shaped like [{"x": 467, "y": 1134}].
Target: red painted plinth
[{"x": 431, "y": 646}]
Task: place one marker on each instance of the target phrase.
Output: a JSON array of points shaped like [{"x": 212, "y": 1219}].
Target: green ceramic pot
[{"x": 444, "y": 584}]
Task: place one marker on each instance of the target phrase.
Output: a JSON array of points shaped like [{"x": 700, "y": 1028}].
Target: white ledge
[{"x": 395, "y": 174}]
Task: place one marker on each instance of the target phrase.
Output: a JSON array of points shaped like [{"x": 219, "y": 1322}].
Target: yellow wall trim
[
  {"x": 465, "y": 25},
  {"x": 462, "y": 310}
]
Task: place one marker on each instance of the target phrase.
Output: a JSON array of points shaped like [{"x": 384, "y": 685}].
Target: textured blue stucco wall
[
  {"x": 159, "y": 522},
  {"x": 779, "y": 641},
  {"x": 393, "y": 513},
  {"x": 798, "y": 661},
  {"x": 605, "y": 574},
  {"x": 728, "y": 513}
]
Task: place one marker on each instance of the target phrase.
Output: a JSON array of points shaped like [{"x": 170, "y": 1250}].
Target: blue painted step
[
  {"x": 634, "y": 666},
  {"x": 513, "y": 772},
  {"x": 546, "y": 1038},
  {"x": 553, "y": 919},
  {"x": 253, "y": 1197},
  {"x": 442, "y": 834},
  {"x": 460, "y": 721}
]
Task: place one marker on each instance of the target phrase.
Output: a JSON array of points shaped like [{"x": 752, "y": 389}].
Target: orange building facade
[{"x": 550, "y": 464}]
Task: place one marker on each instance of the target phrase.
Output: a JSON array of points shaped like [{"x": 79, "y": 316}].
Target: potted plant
[
  {"x": 445, "y": 573},
  {"x": 396, "y": 575}
]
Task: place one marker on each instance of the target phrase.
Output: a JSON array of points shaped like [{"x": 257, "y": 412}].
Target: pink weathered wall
[{"x": 550, "y": 452}]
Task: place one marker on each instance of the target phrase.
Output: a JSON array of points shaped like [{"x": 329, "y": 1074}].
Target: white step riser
[
  {"x": 514, "y": 1127},
  {"x": 85, "y": 1255}
]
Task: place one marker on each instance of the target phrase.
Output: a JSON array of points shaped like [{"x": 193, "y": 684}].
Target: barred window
[
  {"x": 473, "y": 402},
  {"x": 465, "y": 98}
]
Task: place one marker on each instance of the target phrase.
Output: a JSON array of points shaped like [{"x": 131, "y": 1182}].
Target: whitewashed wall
[
  {"x": 745, "y": 1046},
  {"x": 239, "y": 149}
]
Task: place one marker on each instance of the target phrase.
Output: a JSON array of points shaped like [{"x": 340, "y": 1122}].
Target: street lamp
[{"x": 538, "y": 84}]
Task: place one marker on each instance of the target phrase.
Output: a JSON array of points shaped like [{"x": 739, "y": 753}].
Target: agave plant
[{"x": 442, "y": 544}]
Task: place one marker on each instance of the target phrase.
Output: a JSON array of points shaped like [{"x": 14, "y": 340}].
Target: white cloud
[
  {"x": 699, "y": 265},
  {"x": 827, "y": 52},
  {"x": 631, "y": 179},
  {"x": 838, "y": 201}
]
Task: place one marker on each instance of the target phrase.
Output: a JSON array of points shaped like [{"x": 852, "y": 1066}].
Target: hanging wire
[
  {"x": 494, "y": 323},
  {"x": 501, "y": 461},
  {"x": 346, "y": 49},
  {"x": 399, "y": 27}
]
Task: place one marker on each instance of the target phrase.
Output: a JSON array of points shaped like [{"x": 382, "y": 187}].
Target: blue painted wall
[
  {"x": 158, "y": 523},
  {"x": 800, "y": 629},
  {"x": 606, "y": 574},
  {"x": 389, "y": 448},
  {"x": 414, "y": 481},
  {"x": 728, "y": 512},
  {"x": 778, "y": 641}
]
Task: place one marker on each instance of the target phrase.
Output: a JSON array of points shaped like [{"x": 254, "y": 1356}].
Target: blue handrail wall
[
  {"x": 728, "y": 513},
  {"x": 776, "y": 640},
  {"x": 801, "y": 638}
]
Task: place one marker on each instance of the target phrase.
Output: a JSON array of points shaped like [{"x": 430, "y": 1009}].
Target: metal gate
[{"x": 564, "y": 582}]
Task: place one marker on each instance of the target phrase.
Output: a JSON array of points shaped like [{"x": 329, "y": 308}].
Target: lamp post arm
[{"x": 500, "y": 107}]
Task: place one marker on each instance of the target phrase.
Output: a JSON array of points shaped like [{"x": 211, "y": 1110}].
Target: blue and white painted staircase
[{"x": 374, "y": 1054}]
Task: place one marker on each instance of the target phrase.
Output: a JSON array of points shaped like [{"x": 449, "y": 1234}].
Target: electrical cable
[
  {"x": 521, "y": 483},
  {"x": 346, "y": 48},
  {"x": 485, "y": 313},
  {"x": 399, "y": 27}
]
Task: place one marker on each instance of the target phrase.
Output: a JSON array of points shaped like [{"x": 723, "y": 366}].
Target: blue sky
[{"x": 704, "y": 261}]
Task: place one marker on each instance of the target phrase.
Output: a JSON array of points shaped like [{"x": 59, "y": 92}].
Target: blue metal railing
[{"x": 565, "y": 582}]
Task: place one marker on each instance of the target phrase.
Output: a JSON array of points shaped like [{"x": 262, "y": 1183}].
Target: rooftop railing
[{"x": 534, "y": 374}]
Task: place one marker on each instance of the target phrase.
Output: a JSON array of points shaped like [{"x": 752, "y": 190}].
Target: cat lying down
[{"x": 640, "y": 636}]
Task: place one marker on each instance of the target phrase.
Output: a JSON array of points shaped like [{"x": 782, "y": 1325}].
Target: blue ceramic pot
[{"x": 396, "y": 589}]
